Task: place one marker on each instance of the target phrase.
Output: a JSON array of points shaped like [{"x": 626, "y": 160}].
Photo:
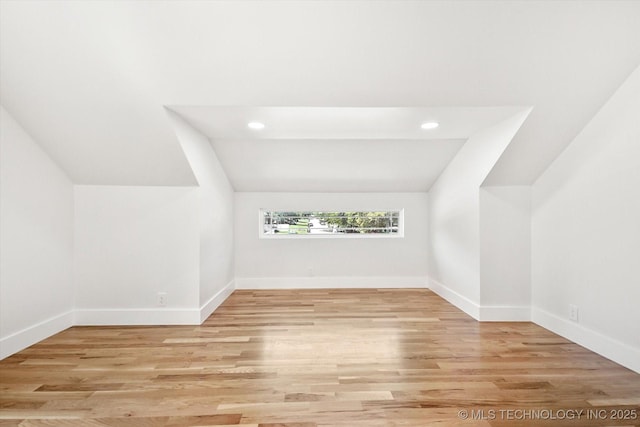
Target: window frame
[{"x": 280, "y": 236}]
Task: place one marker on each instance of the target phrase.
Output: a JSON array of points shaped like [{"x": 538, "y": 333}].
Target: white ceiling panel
[
  {"x": 89, "y": 79},
  {"x": 351, "y": 165},
  {"x": 324, "y": 149},
  {"x": 222, "y": 122}
]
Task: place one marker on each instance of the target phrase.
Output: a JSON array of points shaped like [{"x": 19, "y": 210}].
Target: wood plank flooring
[{"x": 311, "y": 358}]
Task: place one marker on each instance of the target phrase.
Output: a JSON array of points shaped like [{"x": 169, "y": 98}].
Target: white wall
[
  {"x": 216, "y": 215},
  {"x": 36, "y": 241},
  {"x": 454, "y": 215},
  {"x": 130, "y": 244},
  {"x": 325, "y": 262},
  {"x": 505, "y": 253},
  {"x": 586, "y": 233}
]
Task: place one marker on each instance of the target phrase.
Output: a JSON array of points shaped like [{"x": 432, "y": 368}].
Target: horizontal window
[{"x": 387, "y": 223}]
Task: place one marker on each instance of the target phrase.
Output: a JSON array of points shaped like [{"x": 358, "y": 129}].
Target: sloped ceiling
[
  {"x": 89, "y": 80},
  {"x": 337, "y": 149}
]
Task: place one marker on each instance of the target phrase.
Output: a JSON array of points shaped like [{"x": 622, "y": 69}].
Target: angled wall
[
  {"x": 102, "y": 255},
  {"x": 140, "y": 242},
  {"x": 36, "y": 241},
  {"x": 586, "y": 233},
  {"x": 216, "y": 207},
  {"x": 454, "y": 215}
]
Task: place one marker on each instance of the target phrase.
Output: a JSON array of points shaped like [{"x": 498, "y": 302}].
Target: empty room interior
[{"x": 319, "y": 213}]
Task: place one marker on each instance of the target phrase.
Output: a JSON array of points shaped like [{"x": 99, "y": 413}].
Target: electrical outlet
[
  {"x": 573, "y": 312},
  {"x": 162, "y": 299}
]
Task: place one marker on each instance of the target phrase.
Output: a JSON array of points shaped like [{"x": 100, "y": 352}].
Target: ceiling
[
  {"x": 337, "y": 149},
  {"x": 89, "y": 80}
]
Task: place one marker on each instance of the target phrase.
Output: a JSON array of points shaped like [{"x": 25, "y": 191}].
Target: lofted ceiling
[
  {"x": 337, "y": 149},
  {"x": 89, "y": 81}
]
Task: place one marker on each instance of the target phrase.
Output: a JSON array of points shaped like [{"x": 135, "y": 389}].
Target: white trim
[
  {"x": 33, "y": 334},
  {"x": 332, "y": 236},
  {"x": 460, "y": 301},
  {"x": 215, "y": 301},
  {"x": 20, "y": 340},
  {"x": 139, "y": 316},
  {"x": 487, "y": 313},
  {"x": 329, "y": 282},
  {"x": 154, "y": 316},
  {"x": 612, "y": 349},
  {"x": 505, "y": 313}
]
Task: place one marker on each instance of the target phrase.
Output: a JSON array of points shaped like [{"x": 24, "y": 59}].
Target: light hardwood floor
[{"x": 312, "y": 358}]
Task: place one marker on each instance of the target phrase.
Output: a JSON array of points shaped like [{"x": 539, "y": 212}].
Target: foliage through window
[{"x": 331, "y": 224}]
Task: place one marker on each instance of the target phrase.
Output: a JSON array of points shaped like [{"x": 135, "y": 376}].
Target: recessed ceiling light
[
  {"x": 255, "y": 125},
  {"x": 429, "y": 125}
]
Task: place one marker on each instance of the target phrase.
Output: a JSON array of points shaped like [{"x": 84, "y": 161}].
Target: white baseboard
[
  {"x": 150, "y": 316},
  {"x": 482, "y": 313},
  {"x": 330, "y": 282},
  {"x": 22, "y": 339},
  {"x": 153, "y": 316},
  {"x": 460, "y": 301},
  {"x": 614, "y": 350},
  {"x": 102, "y": 317},
  {"x": 216, "y": 300},
  {"x": 505, "y": 313}
]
